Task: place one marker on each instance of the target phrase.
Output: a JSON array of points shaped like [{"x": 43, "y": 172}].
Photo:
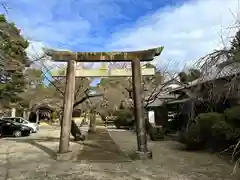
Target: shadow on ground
[
  {"x": 100, "y": 147},
  {"x": 37, "y": 143}
]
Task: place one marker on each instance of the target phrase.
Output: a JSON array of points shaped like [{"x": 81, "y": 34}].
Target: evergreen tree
[
  {"x": 13, "y": 60},
  {"x": 235, "y": 47}
]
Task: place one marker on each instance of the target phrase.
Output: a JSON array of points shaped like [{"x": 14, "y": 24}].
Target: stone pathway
[{"x": 100, "y": 147}]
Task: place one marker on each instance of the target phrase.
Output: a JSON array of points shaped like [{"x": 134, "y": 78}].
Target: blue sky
[
  {"x": 80, "y": 25},
  {"x": 188, "y": 29}
]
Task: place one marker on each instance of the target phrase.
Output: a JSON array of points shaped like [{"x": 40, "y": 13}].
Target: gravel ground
[
  {"x": 30, "y": 158},
  {"x": 171, "y": 156}
]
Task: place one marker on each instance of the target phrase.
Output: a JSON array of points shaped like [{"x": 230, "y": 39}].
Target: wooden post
[
  {"x": 68, "y": 107},
  {"x": 138, "y": 108}
]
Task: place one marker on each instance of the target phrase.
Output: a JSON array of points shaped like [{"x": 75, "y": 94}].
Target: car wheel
[{"x": 17, "y": 133}]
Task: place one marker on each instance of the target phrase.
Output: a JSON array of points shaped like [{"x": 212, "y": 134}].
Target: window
[
  {"x": 7, "y": 119},
  {"x": 24, "y": 122},
  {"x": 18, "y": 120}
]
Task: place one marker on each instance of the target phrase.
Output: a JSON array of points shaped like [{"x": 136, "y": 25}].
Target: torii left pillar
[{"x": 68, "y": 107}]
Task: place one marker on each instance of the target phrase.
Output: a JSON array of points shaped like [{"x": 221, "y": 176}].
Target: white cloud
[
  {"x": 35, "y": 52},
  {"x": 187, "y": 32},
  {"x": 35, "y": 49}
]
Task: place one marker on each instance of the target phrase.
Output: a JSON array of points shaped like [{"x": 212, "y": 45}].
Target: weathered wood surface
[
  {"x": 138, "y": 107},
  {"x": 144, "y": 55},
  {"x": 104, "y": 72},
  {"x": 68, "y": 107}
]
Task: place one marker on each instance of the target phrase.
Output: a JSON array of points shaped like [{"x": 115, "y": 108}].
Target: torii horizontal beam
[
  {"x": 103, "y": 72},
  {"x": 64, "y": 56}
]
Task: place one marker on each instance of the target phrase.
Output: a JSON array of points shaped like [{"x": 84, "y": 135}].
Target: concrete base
[
  {"x": 71, "y": 155},
  {"x": 137, "y": 155},
  {"x": 65, "y": 156}
]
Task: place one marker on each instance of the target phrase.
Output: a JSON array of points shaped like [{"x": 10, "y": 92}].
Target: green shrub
[
  {"x": 192, "y": 138},
  {"x": 182, "y": 136},
  {"x": 54, "y": 115},
  {"x": 205, "y": 122},
  {"x": 123, "y": 118},
  {"x": 232, "y": 116},
  {"x": 216, "y": 129},
  {"x": 123, "y": 113},
  {"x": 212, "y": 131},
  {"x": 199, "y": 133},
  {"x": 193, "y": 134},
  {"x": 223, "y": 130},
  {"x": 224, "y": 135}
]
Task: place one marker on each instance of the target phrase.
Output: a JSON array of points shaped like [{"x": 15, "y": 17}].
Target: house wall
[{"x": 160, "y": 114}]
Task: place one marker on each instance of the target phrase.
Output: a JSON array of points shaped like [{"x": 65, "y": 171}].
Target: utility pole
[{"x": 68, "y": 107}]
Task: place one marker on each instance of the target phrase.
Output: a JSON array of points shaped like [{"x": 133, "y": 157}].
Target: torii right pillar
[{"x": 142, "y": 151}]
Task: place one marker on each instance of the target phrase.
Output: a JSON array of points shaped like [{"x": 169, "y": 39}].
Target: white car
[{"x": 21, "y": 121}]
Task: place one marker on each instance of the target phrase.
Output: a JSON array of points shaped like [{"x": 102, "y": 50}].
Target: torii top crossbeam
[{"x": 144, "y": 55}]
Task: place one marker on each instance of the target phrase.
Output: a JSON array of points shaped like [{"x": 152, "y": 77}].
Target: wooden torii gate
[{"x": 135, "y": 57}]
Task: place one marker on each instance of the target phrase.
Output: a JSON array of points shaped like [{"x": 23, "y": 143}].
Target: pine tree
[
  {"x": 235, "y": 47},
  {"x": 13, "y": 60}
]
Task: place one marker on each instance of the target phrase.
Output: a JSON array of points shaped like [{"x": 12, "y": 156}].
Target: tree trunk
[
  {"x": 84, "y": 119},
  {"x": 191, "y": 114},
  {"x": 104, "y": 119},
  {"x": 92, "y": 125}
]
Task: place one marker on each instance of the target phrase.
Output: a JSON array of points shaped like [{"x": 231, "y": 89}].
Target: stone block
[
  {"x": 137, "y": 155},
  {"x": 68, "y": 156},
  {"x": 72, "y": 154}
]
